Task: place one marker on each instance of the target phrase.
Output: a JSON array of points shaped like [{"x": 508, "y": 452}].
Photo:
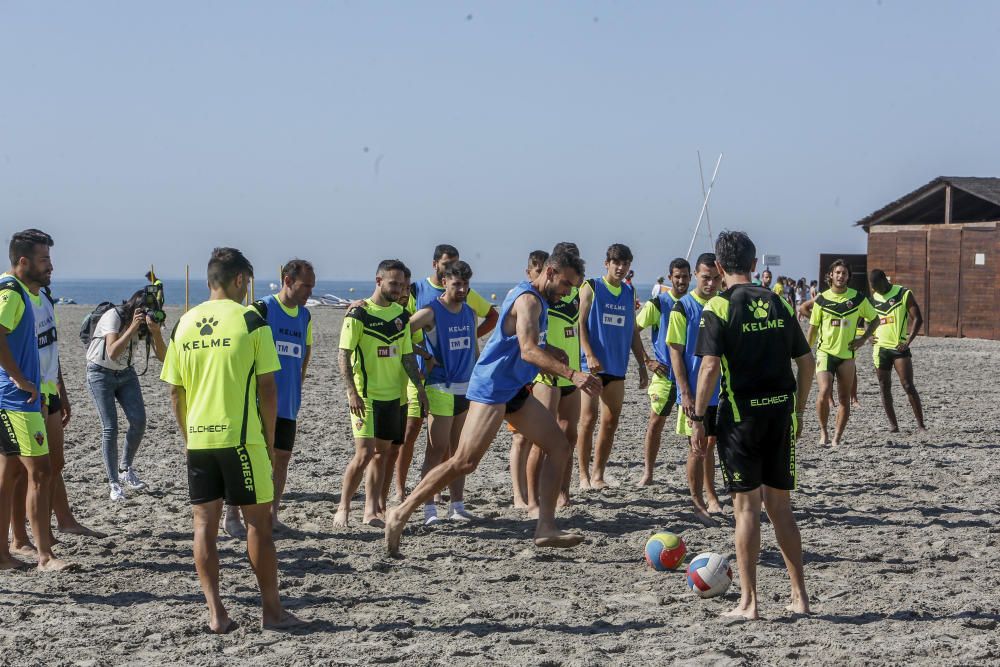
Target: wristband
[{"x": 696, "y": 418}]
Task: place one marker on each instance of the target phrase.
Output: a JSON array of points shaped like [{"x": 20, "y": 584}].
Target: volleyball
[
  {"x": 709, "y": 575},
  {"x": 665, "y": 551}
]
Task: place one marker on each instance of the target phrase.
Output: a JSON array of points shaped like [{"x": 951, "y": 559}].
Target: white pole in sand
[
  {"x": 704, "y": 206},
  {"x": 708, "y": 218}
]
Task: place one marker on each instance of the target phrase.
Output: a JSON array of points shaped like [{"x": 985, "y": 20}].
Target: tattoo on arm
[
  {"x": 344, "y": 361},
  {"x": 412, "y": 371}
]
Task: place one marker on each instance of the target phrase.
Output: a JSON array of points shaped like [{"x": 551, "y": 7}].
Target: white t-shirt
[{"x": 110, "y": 322}]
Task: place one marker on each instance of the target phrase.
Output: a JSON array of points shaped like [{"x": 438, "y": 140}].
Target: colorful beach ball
[
  {"x": 709, "y": 575},
  {"x": 665, "y": 551}
]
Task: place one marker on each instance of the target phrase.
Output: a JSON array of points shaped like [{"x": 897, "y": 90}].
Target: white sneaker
[
  {"x": 459, "y": 513},
  {"x": 117, "y": 493},
  {"x": 131, "y": 479},
  {"x": 430, "y": 515}
]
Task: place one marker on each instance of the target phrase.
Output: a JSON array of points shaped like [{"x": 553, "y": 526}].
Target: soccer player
[
  {"x": 220, "y": 365},
  {"x": 607, "y": 333},
  {"x": 511, "y": 358},
  {"x": 23, "y": 440},
  {"x": 520, "y": 448},
  {"x": 421, "y": 294},
  {"x": 291, "y": 327},
  {"x": 375, "y": 348},
  {"x": 834, "y": 321},
  {"x": 682, "y": 337},
  {"x": 749, "y": 334},
  {"x": 896, "y": 309},
  {"x": 449, "y": 327},
  {"x": 766, "y": 278},
  {"x": 655, "y": 314}
]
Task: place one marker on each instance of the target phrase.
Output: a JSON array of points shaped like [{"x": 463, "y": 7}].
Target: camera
[{"x": 152, "y": 307}]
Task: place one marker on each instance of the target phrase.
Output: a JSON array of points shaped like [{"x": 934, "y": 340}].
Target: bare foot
[
  {"x": 520, "y": 504},
  {"x": 532, "y": 511},
  {"x": 234, "y": 528},
  {"x": 11, "y": 563},
  {"x": 286, "y": 621},
  {"x": 714, "y": 506},
  {"x": 701, "y": 516},
  {"x": 278, "y": 527},
  {"x": 598, "y": 484},
  {"x": 749, "y": 612},
  {"x": 585, "y": 484},
  {"x": 922, "y": 429},
  {"x": 645, "y": 480},
  {"x": 393, "y": 533},
  {"x": 824, "y": 438},
  {"x": 27, "y": 550},
  {"x": 797, "y": 606},
  {"x": 373, "y": 521},
  {"x": 558, "y": 539},
  {"x": 80, "y": 529},
  {"x": 563, "y": 500},
  {"x": 341, "y": 518},
  {"x": 894, "y": 429},
  {"x": 222, "y": 626},
  {"x": 55, "y": 565}
]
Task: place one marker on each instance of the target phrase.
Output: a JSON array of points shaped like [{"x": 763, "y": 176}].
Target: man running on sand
[
  {"x": 220, "y": 365},
  {"x": 23, "y": 440},
  {"x": 375, "y": 349},
  {"x": 511, "y": 358},
  {"x": 896, "y": 309},
  {"x": 749, "y": 334}
]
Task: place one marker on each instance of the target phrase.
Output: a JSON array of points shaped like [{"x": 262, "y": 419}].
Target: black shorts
[
  {"x": 711, "y": 422},
  {"x": 758, "y": 449},
  {"x": 53, "y": 403},
  {"x": 403, "y": 418},
  {"x": 284, "y": 434},
  {"x": 608, "y": 378},
  {"x": 566, "y": 390},
  {"x": 886, "y": 357},
  {"x": 241, "y": 475},
  {"x": 516, "y": 403}
]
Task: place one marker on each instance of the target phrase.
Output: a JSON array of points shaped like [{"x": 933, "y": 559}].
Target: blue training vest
[
  {"x": 23, "y": 344},
  {"x": 424, "y": 293},
  {"x": 692, "y": 311},
  {"x": 290, "y": 340},
  {"x": 500, "y": 372},
  {"x": 610, "y": 324},
  {"x": 658, "y": 332},
  {"x": 452, "y": 344}
]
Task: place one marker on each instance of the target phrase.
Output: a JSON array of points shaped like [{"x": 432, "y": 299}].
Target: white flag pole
[{"x": 704, "y": 206}]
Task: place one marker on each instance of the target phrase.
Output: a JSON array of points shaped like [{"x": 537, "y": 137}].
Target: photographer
[{"x": 111, "y": 377}]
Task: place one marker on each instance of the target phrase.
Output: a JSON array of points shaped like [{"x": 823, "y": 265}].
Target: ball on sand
[
  {"x": 665, "y": 551},
  {"x": 709, "y": 575}
]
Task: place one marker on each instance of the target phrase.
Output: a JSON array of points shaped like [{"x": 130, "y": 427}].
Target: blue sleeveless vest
[
  {"x": 23, "y": 344},
  {"x": 500, "y": 372},
  {"x": 290, "y": 340},
  {"x": 692, "y": 311},
  {"x": 452, "y": 342},
  {"x": 658, "y": 332},
  {"x": 610, "y": 324}
]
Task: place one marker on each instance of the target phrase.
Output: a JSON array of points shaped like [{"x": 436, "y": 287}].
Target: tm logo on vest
[
  {"x": 287, "y": 349},
  {"x": 463, "y": 343},
  {"x": 613, "y": 320},
  {"x": 388, "y": 351}
]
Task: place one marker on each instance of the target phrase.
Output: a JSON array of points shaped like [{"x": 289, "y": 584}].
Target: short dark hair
[
  {"x": 407, "y": 273},
  {"x": 618, "y": 252},
  {"x": 225, "y": 264},
  {"x": 678, "y": 263},
  {"x": 705, "y": 259},
  {"x": 876, "y": 276},
  {"x": 839, "y": 262},
  {"x": 387, "y": 265},
  {"x": 442, "y": 249},
  {"x": 567, "y": 260},
  {"x": 149, "y": 275},
  {"x": 537, "y": 258},
  {"x": 457, "y": 269},
  {"x": 567, "y": 246},
  {"x": 22, "y": 244},
  {"x": 293, "y": 268},
  {"x": 735, "y": 252}
]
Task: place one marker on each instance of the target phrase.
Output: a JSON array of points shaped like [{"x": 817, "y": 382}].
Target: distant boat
[
  {"x": 65, "y": 300},
  {"x": 327, "y": 300},
  {"x": 273, "y": 287}
]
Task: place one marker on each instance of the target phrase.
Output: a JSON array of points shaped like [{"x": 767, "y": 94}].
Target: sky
[{"x": 349, "y": 132}]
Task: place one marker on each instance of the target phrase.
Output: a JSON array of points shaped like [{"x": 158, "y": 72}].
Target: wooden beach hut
[{"x": 943, "y": 241}]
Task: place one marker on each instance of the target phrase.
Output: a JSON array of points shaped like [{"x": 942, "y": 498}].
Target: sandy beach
[{"x": 900, "y": 533}]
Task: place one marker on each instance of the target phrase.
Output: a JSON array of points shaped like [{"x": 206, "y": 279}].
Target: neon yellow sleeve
[
  {"x": 480, "y": 306},
  {"x": 265, "y": 353},
  {"x": 649, "y": 315},
  {"x": 309, "y": 332},
  {"x": 816, "y": 317},
  {"x": 677, "y": 331},
  {"x": 171, "y": 372},
  {"x": 867, "y": 310},
  {"x": 11, "y": 309},
  {"x": 350, "y": 333}
]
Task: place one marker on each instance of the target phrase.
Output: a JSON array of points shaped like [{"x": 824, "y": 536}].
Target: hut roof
[{"x": 974, "y": 199}]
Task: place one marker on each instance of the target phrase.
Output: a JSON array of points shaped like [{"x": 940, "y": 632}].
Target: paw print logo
[
  {"x": 759, "y": 308},
  {"x": 207, "y": 325}
]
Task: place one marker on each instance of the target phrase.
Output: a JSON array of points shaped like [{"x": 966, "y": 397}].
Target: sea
[{"x": 91, "y": 291}]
